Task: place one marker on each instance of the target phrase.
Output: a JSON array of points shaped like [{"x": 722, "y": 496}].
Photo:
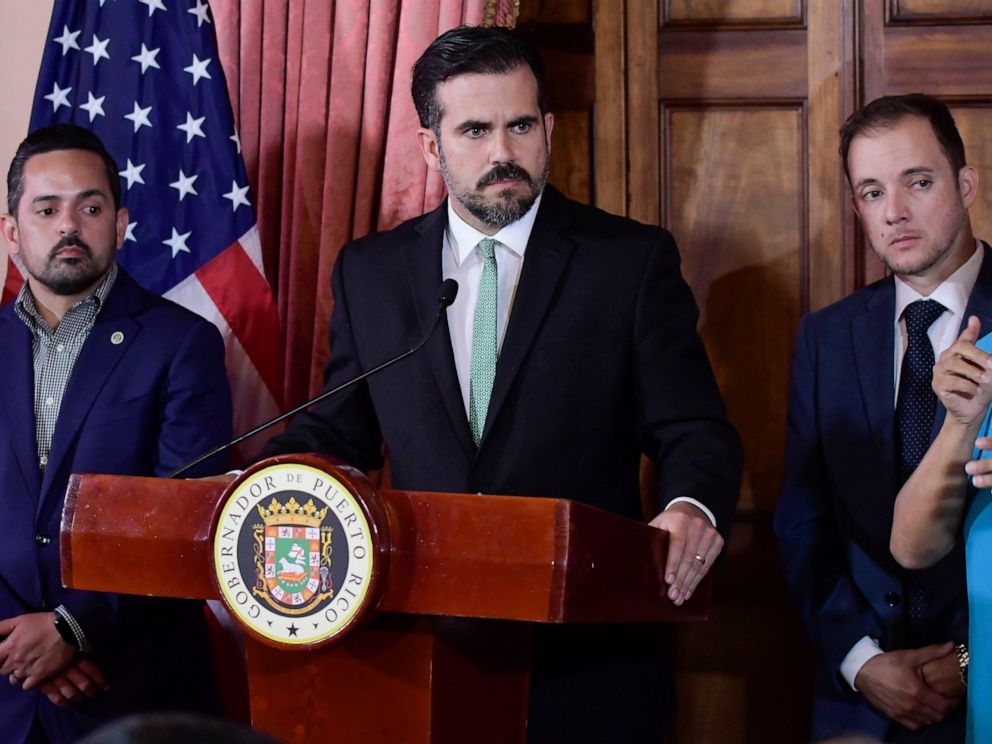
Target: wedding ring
[
  {"x": 13, "y": 678},
  {"x": 700, "y": 558}
]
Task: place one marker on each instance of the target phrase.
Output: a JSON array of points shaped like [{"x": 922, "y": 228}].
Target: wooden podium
[{"x": 441, "y": 651}]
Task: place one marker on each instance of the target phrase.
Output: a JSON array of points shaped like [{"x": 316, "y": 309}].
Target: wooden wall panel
[
  {"x": 702, "y": 65},
  {"x": 734, "y": 196},
  {"x": 944, "y": 11},
  {"x": 533, "y": 12},
  {"x": 974, "y": 123},
  {"x": 571, "y": 160},
  {"x": 750, "y": 12},
  {"x": 954, "y": 60}
]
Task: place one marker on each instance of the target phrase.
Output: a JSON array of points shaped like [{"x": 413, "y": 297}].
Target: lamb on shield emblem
[{"x": 292, "y": 556}]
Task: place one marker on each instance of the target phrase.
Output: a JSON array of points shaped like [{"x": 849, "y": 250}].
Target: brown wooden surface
[
  {"x": 139, "y": 535},
  {"x": 752, "y": 13},
  {"x": 464, "y": 555},
  {"x": 436, "y": 681},
  {"x": 400, "y": 675}
]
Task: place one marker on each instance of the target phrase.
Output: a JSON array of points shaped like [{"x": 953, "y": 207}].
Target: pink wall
[{"x": 23, "y": 25}]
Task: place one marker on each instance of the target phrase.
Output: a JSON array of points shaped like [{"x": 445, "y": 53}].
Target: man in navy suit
[
  {"x": 862, "y": 413},
  {"x": 98, "y": 376},
  {"x": 571, "y": 349}
]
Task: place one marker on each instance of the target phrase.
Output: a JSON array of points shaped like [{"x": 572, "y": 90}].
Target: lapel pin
[{"x": 117, "y": 338}]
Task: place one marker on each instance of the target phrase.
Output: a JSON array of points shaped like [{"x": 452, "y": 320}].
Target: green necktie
[{"x": 483, "y": 342}]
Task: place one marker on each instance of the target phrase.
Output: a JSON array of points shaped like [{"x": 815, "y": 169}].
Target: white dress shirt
[
  {"x": 462, "y": 261},
  {"x": 953, "y": 294}
]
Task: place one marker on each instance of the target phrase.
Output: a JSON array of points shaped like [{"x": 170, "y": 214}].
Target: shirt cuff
[
  {"x": 701, "y": 507},
  {"x": 82, "y": 643},
  {"x": 866, "y": 648}
]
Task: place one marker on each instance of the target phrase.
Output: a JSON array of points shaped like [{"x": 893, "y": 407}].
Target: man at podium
[
  {"x": 99, "y": 376},
  {"x": 570, "y": 349}
]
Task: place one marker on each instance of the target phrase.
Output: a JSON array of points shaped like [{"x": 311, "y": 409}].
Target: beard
[
  {"x": 69, "y": 276},
  {"x": 507, "y": 206},
  {"x": 919, "y": 265}
]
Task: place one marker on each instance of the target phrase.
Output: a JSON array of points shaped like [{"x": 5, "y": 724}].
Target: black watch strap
[{"x": 66, "y": 631}]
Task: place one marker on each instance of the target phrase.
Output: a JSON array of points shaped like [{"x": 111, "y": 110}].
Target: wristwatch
[
  {"x": 964, "y": 658},
  {"x": 63, "y": 626}
]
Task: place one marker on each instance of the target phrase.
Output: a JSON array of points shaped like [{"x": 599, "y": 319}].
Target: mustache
[
  {"x": 65, "y": 242},
  {"x": 504, "y": 171}
]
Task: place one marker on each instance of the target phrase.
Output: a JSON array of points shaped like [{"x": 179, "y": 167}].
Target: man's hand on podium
[{"x": 693, "y": 546}]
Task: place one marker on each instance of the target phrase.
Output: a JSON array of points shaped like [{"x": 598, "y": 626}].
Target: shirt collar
[
  {"x": 463, "y": 237},
  {"x": 952, "y": 293},
  {"x": 27, "y": 310}
]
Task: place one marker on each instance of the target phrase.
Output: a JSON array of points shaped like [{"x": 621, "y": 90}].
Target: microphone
[{"x": 446, "y": 296}]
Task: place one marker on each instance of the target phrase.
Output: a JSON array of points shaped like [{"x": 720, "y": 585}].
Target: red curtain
[{"x": 321, "y": 92}]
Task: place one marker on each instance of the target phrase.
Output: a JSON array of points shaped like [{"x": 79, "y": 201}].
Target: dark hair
[
  {"x": 470, "y": 50},
  {"x": 53, "y": 138},
  {"x": 885, "y": 112}
]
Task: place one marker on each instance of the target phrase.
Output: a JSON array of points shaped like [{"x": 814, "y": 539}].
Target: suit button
[
  {"x": 42, "y": 539},
  {"x": 892, "y": 599}
]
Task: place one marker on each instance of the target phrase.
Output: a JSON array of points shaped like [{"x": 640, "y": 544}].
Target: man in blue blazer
[
  {"x": 861, "y": 414},
  {"x": 592, "y": 359},
  {"x": 98, "y": 376}
]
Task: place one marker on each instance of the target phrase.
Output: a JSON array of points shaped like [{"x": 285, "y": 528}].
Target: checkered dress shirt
[{"x": 55, "y": 352}]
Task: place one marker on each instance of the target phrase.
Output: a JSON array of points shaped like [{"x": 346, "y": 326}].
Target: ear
[
  {"x": 549, "y": 124},
  {"x": 8, "y": 225},
  {"x": 121, "y": 226},
  {"x": 968, "y": 185},
  {"x": 430, "y": 146}
]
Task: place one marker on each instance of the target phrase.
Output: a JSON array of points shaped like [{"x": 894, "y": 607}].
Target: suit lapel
[
  {"x": 423, "y": 264},
  {"x": 108, "y": 342},
  {"x": 17, "y": 399},
  {"x": 544, "y": 263},
  {"x": 874, "y": 339},
  {"x": 20, "y": 498}
]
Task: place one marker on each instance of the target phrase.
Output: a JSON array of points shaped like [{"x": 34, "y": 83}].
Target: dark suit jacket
[
  {"x": 834, "y": 515},
  {"x": 143, "y": 406},
  {"x": 600, "y": 362}
]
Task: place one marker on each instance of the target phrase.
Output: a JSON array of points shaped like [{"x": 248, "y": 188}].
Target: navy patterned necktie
[{"x": 916, "y": 404}]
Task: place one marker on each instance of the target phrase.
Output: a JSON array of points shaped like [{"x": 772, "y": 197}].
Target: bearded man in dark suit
[{"x": 570, "y": 350}]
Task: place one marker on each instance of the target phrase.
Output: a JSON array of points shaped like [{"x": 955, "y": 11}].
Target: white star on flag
[
  {"x": 192, "y": 127},
  {"x": 147, "y": 58},
  {"x": 93, "y": 106},
  {"x": 236, "y": 139},
  {"x": 185, "y": 185},
  {"x": 198, "y": 69},
  {"x": 178, "y": 242},
  {"x": 129, "y": 234},
  {"x": 133, "y": 174},
  {"x": 200, "y": 11},
  {"x": 139, "y": 116},
  {"x": 153, "y": 5},
  {"x": 98, "y": 48},
  {"x": 67, "y": 40},
  {"x": 238, "y": 196},
  {"x": 58, "y": 97}
]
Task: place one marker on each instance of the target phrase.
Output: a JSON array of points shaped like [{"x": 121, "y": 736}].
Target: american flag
[{"x": 146, "y": 77}]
